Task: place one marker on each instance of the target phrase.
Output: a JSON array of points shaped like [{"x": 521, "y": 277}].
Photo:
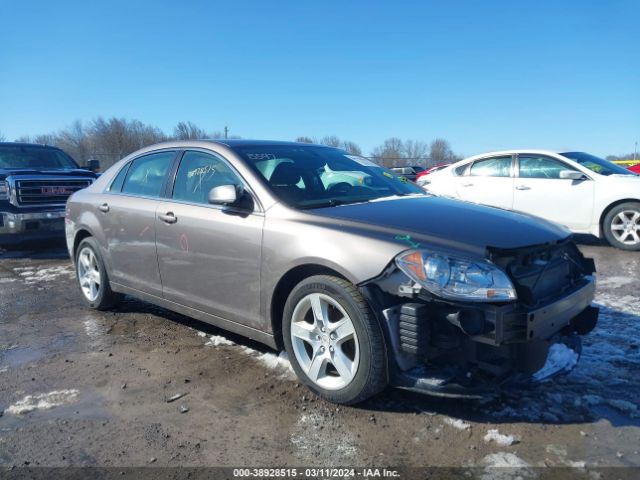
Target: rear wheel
[
  {"x": 335, "y": 345},
  {"x": 621, "y": 226},
  {"x": 92, "y": 277}
]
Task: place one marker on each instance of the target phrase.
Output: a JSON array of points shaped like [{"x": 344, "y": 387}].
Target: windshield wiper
[{"x": 333, "y": 202}]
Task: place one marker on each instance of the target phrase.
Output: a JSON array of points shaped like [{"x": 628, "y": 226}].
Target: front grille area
[
  {"x": 47, "y": 191},
  {"x": 541, "y": 274}
]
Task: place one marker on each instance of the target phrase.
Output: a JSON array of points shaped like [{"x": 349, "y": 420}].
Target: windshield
[
  {"x": 313, "y": 177},
  {"x": 25, "y": 156},
  {"x": 595, "y": 164}
]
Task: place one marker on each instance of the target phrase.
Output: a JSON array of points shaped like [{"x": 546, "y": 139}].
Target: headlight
[
  {"x": 4, "y": 190},
  {"x": 456, "y": 278}
]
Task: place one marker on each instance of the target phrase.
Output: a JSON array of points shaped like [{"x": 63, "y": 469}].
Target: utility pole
[
  {"x": 226, "y": 131},
  {"x": 635, "y": 151}
]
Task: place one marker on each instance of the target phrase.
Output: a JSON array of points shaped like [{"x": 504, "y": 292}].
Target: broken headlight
[{"x": 456, "y": 278}]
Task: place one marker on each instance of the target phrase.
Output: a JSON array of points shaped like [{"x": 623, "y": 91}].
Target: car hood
[
  {"x": 76, "y": 172},
  {"x": 436, "y": 221}
]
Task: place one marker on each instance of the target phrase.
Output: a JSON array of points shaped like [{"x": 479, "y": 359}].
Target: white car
[{"x": 585, "y": 193}]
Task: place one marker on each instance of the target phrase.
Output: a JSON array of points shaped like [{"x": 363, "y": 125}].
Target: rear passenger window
[
  {"x": 492, "y": 167},
  {"x": 198, "y": 174},
  {"x": 147, "y": 174}
]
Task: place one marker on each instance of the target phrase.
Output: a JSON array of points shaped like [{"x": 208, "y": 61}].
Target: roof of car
[{"x": 537, "y": 151}]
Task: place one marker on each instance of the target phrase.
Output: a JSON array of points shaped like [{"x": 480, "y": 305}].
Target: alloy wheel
[
  {"x": 324, "y": 341},
  {"x": 89, "y": 274},
  {"x": 625, "y": 227}
]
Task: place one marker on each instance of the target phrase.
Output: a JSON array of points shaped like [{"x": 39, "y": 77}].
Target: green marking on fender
[{"x": 407, "y": 238}]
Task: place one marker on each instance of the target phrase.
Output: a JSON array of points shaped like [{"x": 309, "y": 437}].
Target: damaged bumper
[{"x": 475, "y": 350}]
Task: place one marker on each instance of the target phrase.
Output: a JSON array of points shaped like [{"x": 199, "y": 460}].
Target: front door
[
  {"x": 209, "y": 255},
  {"x": 540, "y": 191}
]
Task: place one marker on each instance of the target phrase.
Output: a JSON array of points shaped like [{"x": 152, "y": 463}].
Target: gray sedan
[{"x": 362, "y": 278}]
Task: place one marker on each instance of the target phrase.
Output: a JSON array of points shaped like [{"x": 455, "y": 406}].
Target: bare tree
[
  {"x": 75, "y": 140},
  {"x": 331, "y": 141},
  {"x": 440, "y": 152},
  {"x": 2, "y": 137},
  {"x": 115, "y": 138},
  {"x": 304, "y": 139},
  {"x": 389, "y": 154},
  {"x": 188, "y": 131},
  {"x": 415, "y": 152},
  {"x": 352, "y": 147}
]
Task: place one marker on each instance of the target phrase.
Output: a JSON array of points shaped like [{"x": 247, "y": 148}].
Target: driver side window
[
  {"x": 537, "y": 166},
  {"x": 200, "y": 172}
]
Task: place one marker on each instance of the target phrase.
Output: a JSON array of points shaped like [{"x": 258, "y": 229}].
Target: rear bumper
[{"x": 18, "y": 227}]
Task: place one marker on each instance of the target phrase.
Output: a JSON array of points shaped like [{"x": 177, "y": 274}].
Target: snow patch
[
  {"x": 272, "y": 361},
  {"x": 457, "y": 423},
  {"x": 217, "y": 340},
  {"x": 560, "y": 357},
  {"x": 7, "y": 280},
  {"x": 3, "y": 369},
  {"x": 500, "y": 439},
  {"x": 504, "y": 459},
  {"x": 32, "y": 275},
  {"x": 42, "y": 401}
]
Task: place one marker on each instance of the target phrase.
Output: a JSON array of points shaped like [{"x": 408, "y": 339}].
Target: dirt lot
[{"x": 83, "y": 388}]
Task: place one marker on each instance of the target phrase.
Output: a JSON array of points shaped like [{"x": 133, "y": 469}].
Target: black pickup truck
[{"x": 35, "y": 182}]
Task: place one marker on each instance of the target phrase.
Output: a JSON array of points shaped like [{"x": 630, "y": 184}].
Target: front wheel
[
  {"x": 335, "y": 345},
  {"x": 621, "y": 226}
]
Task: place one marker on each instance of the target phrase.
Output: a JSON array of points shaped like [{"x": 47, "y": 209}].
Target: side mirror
[
  {"x": 93, "y": 165},
  {"x": 572, "y": 175},
  {"x": 225, "y": 194}
]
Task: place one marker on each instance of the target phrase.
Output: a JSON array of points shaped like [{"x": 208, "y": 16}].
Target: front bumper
[
  {"x": 499, "y": 346},
  {"x": 16, "y": 227}
]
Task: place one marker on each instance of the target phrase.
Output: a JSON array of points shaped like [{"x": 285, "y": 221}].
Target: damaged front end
[{"x": 459, "y": 327}]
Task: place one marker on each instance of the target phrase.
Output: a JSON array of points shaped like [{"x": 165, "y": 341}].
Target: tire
[
  {"x": 621, "y": 226},
  {"x": 346, "y": 362},
  {"x": 92, "y": 277}
]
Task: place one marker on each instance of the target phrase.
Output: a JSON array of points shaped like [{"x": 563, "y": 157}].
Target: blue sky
[{"x": 483, "y": 74}]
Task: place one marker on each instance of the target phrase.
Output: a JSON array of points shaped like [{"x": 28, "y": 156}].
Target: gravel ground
[{"x": 85, "y": 388}]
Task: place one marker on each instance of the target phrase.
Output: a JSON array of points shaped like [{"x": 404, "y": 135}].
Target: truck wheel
[
  {"x": 334, "y": 343},
  {"x": 621, "y": 226},
  {"x": 92, "y": 277}
]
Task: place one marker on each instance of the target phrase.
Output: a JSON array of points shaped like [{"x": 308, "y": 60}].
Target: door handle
[
  {"x": 168, "y": 217},
  {"x": 104, "y": 208},
  {"x": 523, "y": 187}
]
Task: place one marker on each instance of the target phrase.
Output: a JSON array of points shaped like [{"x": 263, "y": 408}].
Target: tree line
[{"x": 109, "y": 140}]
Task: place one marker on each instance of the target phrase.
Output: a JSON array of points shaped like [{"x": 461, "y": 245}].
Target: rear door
[
  {"x": 488, "y": 181},
  {"x": 209, "y": 255},
  {"x": 540, "y": 191},
  {"x": 128, "y": 216}
]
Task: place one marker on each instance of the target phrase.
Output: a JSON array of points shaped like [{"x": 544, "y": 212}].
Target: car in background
[
  {"x": 35, "y": 182},
  {"x": 408, "y": 172},
  {"x": 429, "y": 170},
  {"x": 635, "y": 168},
  {"x": 365, "y": 285},
  {"x": 585, "y": 193}
]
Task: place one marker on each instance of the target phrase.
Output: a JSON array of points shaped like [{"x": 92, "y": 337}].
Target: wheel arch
[
  {"x": 80, "y": 235},
  {"x": 284, "y": 287}
]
